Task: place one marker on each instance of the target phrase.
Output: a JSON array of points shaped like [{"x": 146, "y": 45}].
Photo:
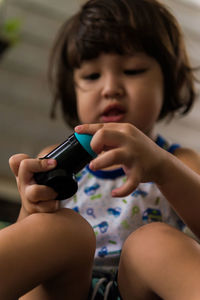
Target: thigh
[{"x": 157, "y": 262}]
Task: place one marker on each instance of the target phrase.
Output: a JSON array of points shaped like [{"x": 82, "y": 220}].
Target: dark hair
[{"x": 122, "y": 27}]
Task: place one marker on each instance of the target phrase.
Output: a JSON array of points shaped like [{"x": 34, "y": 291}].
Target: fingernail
[
  {"x": 78, "y": 128},
  {"x": 51, "y": 162},
  {"x": 92, "y": 167}
]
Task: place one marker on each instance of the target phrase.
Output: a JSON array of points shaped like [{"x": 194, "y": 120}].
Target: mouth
[{"x": 113, "y": 113}]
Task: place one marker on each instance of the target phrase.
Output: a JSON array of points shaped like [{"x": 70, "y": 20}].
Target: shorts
[{"x": 104, "y": 287}]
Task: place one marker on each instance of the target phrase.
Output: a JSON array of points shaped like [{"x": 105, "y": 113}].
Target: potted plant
[
  {"x": 9, "y": 29},
  {"x": 9, "y": 34}
]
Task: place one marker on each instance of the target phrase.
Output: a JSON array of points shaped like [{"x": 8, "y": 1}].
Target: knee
[
  {"x": 64, "y": 232},
  {"x": 148, "y": 244}
]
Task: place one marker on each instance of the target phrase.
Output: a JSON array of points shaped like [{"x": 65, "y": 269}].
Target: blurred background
[{"x": 27, "y": 31}]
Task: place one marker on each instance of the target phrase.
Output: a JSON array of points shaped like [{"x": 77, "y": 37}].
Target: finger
[
  {"x": 42, "y": 207},
  {"x": 93, "y": 128},
  {"x": 47, "y": 207},
  {"x": 105, "y": 139},
  {"x": 14, "y": 162},
  {"x": 106, "y": 136},
  {"x": 109, "y": 158},
  {"x": 88, "y": 128},
  {"x": 30, "y": 166},
  {"x": 128, "y": 187},
  {"x": 36, "y": 193}
]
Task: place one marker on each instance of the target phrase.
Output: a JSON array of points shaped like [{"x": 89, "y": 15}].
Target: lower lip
[{"x": 117, "y": 118}]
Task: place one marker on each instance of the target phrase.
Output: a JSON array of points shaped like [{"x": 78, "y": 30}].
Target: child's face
[{"x": 115, "y": 88}]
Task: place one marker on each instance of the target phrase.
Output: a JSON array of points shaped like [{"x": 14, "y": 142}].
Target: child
[{"x": 120, "y": 66}]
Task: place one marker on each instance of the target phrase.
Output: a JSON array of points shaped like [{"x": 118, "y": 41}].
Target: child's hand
[
  {"x": 35, "y": 198},
  {"x": 125, "y": 145}
]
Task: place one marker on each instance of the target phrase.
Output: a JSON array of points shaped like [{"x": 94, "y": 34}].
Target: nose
[{"x": 113, "y": 87}]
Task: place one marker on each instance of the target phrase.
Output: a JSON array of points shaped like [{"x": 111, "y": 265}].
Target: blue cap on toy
[{"x": 84, "y": 140}]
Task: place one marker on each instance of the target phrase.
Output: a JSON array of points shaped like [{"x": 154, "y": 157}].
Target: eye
[
  {"x": 92, "y": 76},
  {"x": 134, "y": 71}
]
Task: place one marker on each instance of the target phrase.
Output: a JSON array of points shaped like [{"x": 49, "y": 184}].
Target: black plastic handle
[{"x": 71, "y": 157}]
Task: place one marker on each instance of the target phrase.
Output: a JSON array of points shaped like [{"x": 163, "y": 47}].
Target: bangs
[
  {"x": 89, "y": 44},
  {"x": 105, "y": 27},
  {"x": 111, "y": 28}
]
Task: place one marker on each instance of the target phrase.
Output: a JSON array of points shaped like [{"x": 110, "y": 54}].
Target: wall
[
  {"x": 25, "y": 125},
  {"x": 186, "y": 129}
]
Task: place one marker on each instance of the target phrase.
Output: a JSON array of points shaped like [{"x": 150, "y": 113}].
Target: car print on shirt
[
  {"x": 115, "y": 211},
  {"x": 103, "y": 226},
  {"x": 152, "y": 215},
  {"x": 91, "y": 190},
  {"x": 139, "y": 192},
  {"x": 104, "y": 252}
]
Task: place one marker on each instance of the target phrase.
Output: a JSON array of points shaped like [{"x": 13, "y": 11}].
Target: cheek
[
  {"x": 152, "y": 110},
  {"x": 87, "y": 105},
  {"x": 153, "y": 104},
  {"x": 82, "y": 112},
  {"x": 154, "y": 95},
  {"x": 147, "y": 108},
  {"x": 84, "y": 109},
  {"x": 80, "y": 106}
]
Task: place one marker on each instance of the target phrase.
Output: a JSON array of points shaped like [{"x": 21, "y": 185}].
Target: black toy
[{"x": 71, "y": 156}]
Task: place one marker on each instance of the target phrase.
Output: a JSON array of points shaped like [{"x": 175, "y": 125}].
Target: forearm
[{"x": 181, "y": 186}]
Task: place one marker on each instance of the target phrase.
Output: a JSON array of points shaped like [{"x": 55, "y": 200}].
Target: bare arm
[{"x": 181, "y": 186}]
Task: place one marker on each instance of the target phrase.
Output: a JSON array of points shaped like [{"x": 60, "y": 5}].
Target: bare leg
[
  {"x": 50, "y": 255},
  {"x": 157, "y": 262}
]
